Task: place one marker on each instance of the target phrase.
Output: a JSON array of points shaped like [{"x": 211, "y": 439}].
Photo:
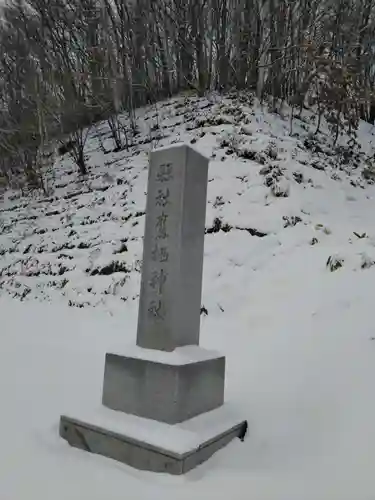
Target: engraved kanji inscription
[
  {"x": 159, "y": 253},
  {"x": 156, "y": 309},
  {"x": 162, "y": 198},
  {"x": 161, "y": 226},
  {"x": 158, "y": 280},
  {"x": 165, "y": 172}
]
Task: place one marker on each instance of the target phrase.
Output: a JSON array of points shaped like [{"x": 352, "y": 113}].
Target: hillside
[{"x": 298, "y": 334}]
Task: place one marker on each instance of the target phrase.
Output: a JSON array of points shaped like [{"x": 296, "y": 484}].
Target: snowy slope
[{"x": 298, "y": 337}]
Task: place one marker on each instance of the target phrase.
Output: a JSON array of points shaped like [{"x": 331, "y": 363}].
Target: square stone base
[
  {"x": 167, "y": 387},
  {"x": 153, "y": 446}
]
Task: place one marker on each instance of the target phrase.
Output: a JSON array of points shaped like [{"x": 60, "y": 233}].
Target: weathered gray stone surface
[
  {"x": 165, "y": 392},
  {"x": 142, "y": 455},
  {"x": 171, "y": 285},
  {"x": 169, "y": 379}
]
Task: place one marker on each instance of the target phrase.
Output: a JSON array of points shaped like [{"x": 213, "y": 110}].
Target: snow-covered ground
[{"x": 299, "y": 339}]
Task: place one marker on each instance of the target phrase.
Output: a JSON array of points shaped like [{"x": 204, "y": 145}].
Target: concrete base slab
[{"x": 150, "y": 445}]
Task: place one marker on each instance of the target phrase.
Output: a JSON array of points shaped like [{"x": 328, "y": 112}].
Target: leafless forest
[{"x": 66, "y": 64}]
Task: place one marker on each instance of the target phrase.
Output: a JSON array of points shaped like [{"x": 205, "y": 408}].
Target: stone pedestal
[{"x": 171, "y": 390}]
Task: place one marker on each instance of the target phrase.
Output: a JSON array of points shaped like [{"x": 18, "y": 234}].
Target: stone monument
[{"x": 164, "y": 397}]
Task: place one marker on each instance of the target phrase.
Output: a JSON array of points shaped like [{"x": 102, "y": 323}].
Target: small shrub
[
  {"x": 66, "y": 147},
  {"x": 219, "y": 201},
  {"x": 266, "y": 170},
  {"x": 368, "y": 173},
  {"x": 280, "y": 189},
  {"x": 366, "y": 261},
  {"x": 334, "y": 263},
  {"x": 111, "y": 268},
  {"x": 298, "y": 177},
  {"x": 218, "y": 226},
  {"x": 291, "y": 221}
]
